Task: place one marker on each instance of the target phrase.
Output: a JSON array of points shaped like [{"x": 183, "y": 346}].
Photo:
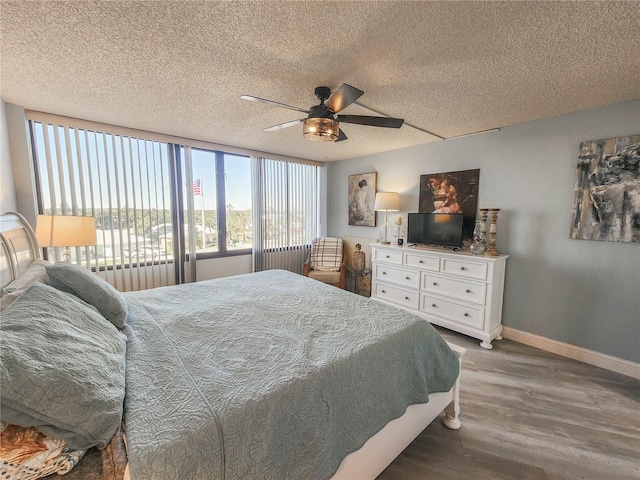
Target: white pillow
[
  {"x": 326, "y": 269},
  {"x": 8, "y": 299},
  {"x": 35, "y": 272}
]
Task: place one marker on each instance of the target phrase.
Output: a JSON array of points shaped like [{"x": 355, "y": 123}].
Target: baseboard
[{"x": 608, "y": 362}]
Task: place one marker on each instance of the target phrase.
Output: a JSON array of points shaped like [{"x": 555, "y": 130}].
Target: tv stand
[{"x": 455, "y": 290}]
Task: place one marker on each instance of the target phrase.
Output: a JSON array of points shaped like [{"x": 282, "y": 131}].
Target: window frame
[{"x": 221, "y": 209}]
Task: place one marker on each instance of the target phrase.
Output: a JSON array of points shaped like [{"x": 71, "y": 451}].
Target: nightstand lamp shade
[
  {"x": 387, "y": 202},
  {"x": 65, "y": 231}
]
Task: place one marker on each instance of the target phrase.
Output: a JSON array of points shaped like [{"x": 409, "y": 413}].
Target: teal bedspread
[{"x": 268, "y": 376}]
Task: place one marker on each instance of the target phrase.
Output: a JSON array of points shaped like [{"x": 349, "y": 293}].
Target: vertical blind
[
  {"x": 136, "y": 185},
  {"x": 285, "y": 213},
  {"x": 125, "y": 183}
]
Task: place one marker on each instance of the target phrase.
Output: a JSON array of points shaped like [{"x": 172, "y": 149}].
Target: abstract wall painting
[
  {"x": 362, "y": 197},
  {"x": 606, "y": 198},
  {"x": 452, "y": 192}
]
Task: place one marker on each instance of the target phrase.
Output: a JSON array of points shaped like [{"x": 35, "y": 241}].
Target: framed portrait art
[{"x": 362, "y": 197}]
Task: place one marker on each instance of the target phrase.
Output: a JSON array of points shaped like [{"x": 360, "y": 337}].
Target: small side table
[{"x": 359, "y": 282}]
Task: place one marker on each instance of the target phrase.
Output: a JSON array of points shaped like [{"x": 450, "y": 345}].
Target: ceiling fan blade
[
  {"x": 272, "y": 103},
  {"x": 371, "y": 121},
  {"x": 284, "y": 125},
  {"x": 341, "y": 136},
  {"x": 342, "y": 97}
]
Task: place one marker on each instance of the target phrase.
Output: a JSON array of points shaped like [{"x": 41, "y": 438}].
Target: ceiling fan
[{"x": 322, "y": 124}]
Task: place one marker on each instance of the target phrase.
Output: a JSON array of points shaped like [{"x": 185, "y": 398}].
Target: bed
[{"x": 266, "y": 375}]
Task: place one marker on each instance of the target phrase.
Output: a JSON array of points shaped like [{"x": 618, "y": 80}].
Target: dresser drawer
[
  {"x": 463, "y": 289},
  {"x": 463, "y": 268},
  {"x": 401, "y": 276},
  {"x": 397, "y": 295},
  {"x": 464, "y": 314},
  {"x": 387, "y": 256},
  {"x": 423, "y": 262}
]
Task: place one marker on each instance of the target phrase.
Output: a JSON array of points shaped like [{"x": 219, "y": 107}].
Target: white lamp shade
[
  {"x": 387, "y": 201},
  {"x": 65, "y": 231}
]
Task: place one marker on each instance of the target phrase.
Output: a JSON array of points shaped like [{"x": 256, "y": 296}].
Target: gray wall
[
  {"x": 584, "y": 293},
  {"x": 7, "y": 188}
]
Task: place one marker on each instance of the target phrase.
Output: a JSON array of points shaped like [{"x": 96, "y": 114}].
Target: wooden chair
[{"x": 326, "y": 261}]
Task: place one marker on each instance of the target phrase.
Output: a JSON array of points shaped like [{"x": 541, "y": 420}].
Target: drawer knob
[
  {"x": 406, "y": 298},
  {"x": 384, "y": 291},
  {"x": 466, "y": 314},
  {"x": 461, "y": 268},
  {"x": 435, "y": 284},
  {"x": 384, "y": 273},
  {"x": 468, "y": 291},
  {"x": 421, "y": 261},
  {"x": 407, "y": 278},
  {"x": 433, "y": 305},
  {"x": 388, "y": 256}
]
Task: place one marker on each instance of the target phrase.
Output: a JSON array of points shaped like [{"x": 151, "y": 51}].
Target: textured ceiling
[{"x": 451, "y": 68}]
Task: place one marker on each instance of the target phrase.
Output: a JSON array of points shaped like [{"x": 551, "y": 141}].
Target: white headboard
[{"x": 18, "y": 247}]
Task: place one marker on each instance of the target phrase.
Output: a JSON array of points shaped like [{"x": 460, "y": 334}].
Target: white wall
[
  {"x": 22, "y": 162},
  {"x": 7, "y": 189},
  {"x": 584, "y": 293},
  {"x": 223, "y": 267}
]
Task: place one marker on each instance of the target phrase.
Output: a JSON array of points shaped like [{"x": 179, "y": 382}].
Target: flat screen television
[{"x": 441, "y": 229}]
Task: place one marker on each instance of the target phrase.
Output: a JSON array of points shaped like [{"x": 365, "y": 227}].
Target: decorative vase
[
  {"x": 399, "y": 223},
  {"x": 357, "y": 260},
  {"x": 478, "y": 246},
  {"x": 491, "y": 244}
]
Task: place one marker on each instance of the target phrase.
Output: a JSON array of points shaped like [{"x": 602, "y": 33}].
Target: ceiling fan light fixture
[{"x": 320, "y": 129}]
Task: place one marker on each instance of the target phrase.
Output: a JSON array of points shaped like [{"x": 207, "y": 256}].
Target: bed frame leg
[{"x": 452, "y": 411}]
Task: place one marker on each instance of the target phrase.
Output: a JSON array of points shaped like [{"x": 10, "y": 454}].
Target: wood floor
[{"x": 530, "y": 414}]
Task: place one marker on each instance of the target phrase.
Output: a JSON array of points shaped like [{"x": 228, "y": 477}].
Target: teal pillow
[
  {"x": 63, "y": 368},
  {"x": 91, "y": 288}
]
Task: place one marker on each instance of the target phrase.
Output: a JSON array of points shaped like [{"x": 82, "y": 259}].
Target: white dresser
[{"x": 455, "y": 290}]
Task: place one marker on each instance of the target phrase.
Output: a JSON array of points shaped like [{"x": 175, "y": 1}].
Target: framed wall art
[
  {"x": 362, "y": 196},
  {"x": 606, "y": 195},
  {"x": 452, "y": 192}
]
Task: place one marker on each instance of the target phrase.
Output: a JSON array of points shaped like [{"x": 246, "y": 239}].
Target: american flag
[{"x": 196, "y": 188}]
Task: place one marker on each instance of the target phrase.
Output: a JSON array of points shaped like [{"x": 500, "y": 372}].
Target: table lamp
[
  {"x": 387, "y": 202},
  {"x": 65, "y": 231}
]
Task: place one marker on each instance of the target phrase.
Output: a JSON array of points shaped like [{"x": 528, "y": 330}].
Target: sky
[{"x": 238, "y": 179}]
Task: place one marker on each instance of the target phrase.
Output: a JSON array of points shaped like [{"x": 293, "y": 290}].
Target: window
[
  {"x": 238, "y": 202},
  {"x": 124, "y": 182},
  {"x": 286, "y": 218},
  {"x": 156, "y": 199},
  {"x": 221, "y": 191}
]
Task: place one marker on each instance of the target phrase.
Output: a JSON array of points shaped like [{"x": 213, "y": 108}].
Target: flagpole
[{"x": 204, "y": 232}]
